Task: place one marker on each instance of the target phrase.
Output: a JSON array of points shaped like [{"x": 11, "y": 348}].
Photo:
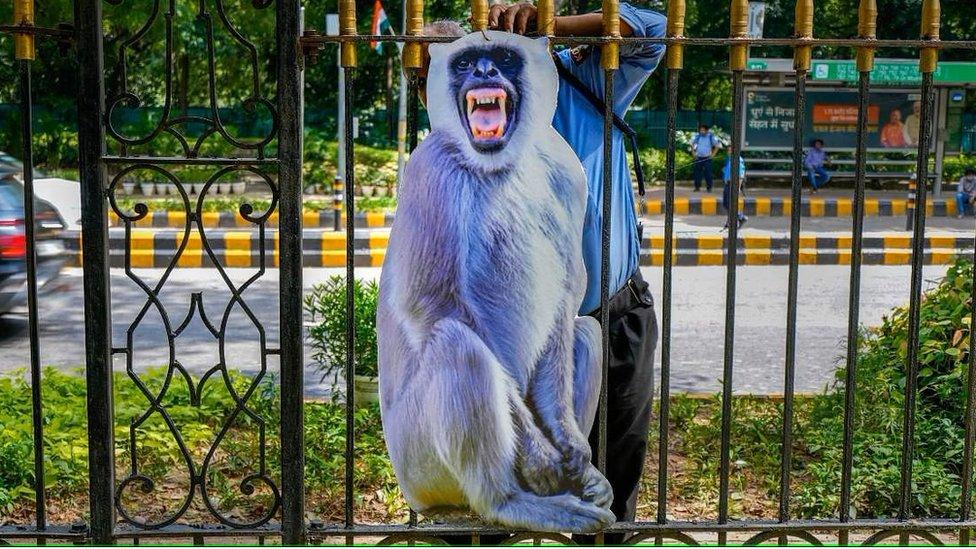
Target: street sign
[{"x": 894, "y": 71}]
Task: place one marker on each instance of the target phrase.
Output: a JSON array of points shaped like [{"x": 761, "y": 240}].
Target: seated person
[{"x": 965, "y": 192}]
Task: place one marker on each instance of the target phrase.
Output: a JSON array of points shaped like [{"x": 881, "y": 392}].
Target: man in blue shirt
[
  {"x": 813, "y": 163},
  {"x": 633, "y": 324},
  {"x": 703, "y": 147}
]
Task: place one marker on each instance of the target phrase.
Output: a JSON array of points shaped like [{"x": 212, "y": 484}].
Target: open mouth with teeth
[{"x": 488, "y": 112}]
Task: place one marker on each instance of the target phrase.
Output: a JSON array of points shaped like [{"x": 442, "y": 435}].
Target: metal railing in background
[{"x": 109, "y": 520}]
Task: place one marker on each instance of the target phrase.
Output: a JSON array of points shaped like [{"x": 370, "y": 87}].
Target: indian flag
[{"x": 381, "y": 24}]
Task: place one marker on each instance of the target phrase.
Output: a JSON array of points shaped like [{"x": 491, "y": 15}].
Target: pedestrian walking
[
  {"x": 703, "y": 147},
  {"x": 814, "y": 162},
  {"x": 727, "y": 184},
  {"x": 965, "y": 192}
]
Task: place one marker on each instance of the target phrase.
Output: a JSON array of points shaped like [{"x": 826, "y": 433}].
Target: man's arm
[
  {"x": 521, "y": 18},
  {"x": 637, "y": 61}
]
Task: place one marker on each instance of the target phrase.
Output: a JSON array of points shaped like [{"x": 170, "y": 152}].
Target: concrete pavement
[{"x": 698, "y": 322}]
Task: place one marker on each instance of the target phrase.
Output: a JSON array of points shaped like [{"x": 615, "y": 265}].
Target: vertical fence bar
[
  {"x": 98, "y": 324},
  {"x": 801, "y": 65},
  {"x": 675, "y": 62},
  {"x": 927, "y": 65},
  {"x": 867, "y": 29},
  {"x": 24, "y": 53},
  {"x": 291, "y": 357},
  {"x": 37, "y": 417},
  {"x": 347, "y": 22},
  {"x": 609, "y": 60},
  {"x": 412, "y": 62},
  {"x": 737, "y": 64},
  {"x": 966, "y": 504}
]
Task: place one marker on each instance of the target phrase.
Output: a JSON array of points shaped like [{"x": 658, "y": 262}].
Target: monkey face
[
  {"x": 494, "y": 93},
  {"x": 487, "y": 98}
]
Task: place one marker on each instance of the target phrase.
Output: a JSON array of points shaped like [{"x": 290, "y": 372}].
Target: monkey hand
[
  {"x": 538, "y": 466},
  {"x": 590, "y": 484}
]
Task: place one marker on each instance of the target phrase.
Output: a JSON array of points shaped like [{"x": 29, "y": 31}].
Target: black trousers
[{"x": 630, "y": 392}]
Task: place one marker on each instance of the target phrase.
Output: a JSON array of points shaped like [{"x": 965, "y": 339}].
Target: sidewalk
[{"x": 777, "y": 202}]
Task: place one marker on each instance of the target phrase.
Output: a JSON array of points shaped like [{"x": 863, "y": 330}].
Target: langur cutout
[{"x": 489, "y": 381}]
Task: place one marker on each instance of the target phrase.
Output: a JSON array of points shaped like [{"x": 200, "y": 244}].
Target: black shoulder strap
[{"x": 600, "y": 107}]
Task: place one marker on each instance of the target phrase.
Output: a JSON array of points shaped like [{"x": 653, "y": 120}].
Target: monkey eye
[
  {"x": 462, "y": 64},
  {"x": 507, "y": 59}
]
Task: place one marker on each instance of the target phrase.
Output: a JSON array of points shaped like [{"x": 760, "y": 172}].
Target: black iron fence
[{"x": 275, "y": 158}]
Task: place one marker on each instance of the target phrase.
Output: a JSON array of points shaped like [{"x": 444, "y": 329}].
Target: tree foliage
[{"x": 704, "y": 83}]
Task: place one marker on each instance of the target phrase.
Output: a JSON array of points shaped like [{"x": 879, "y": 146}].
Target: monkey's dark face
[{"x": 485, "y": 81}]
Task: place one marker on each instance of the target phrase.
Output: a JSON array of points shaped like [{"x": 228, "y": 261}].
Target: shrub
[
  {"x": 325, "y": 305},
  {"x": 953, "y": 167},
  {"x": 944, "y": 332}
]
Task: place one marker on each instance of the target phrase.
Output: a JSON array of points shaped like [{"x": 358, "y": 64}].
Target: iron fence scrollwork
[{"x": 278, "y": 169}]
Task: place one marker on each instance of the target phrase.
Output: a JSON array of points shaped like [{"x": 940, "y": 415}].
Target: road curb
[
  {"x": 156, "y": 248},
  {"x": 704, "y": 205},
  {"x": 229, "y": 220}
]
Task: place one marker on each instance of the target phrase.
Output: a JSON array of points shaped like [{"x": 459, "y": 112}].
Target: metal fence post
[
  {"x": 98, "y": 322},
  {"x": 928, "y": 61},
  {"x": 291, "y": 359},
  {"x": 675, "y": 62},
  {"x": 738, "y": 53},
  {"x": 867, "y": 30}
]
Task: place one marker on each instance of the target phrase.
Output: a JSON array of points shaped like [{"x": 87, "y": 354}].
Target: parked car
[
  {"x": 63, "y": 194},
  {"x": 48, "y": 246}
]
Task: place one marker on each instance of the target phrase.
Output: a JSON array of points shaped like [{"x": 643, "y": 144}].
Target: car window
[{"x": 11, "y": 195}]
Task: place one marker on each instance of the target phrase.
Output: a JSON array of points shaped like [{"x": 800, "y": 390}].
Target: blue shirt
[
  {"x": 703, "y": 144},
  {"x": 815, "y": 158},
  {"x": 581, "y": 125},
  {"x": 727, "y": 169}
]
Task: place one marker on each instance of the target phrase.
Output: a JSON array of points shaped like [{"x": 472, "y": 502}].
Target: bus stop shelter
[{"x": 831, "y": 109}]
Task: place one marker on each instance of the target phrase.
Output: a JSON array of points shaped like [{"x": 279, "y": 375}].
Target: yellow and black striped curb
[
  {"x": 809, "y": 207},
  {"x": 211, "y": 220},
  {"x": 157, "y": 248},
  {"x": 705, "y": 205}
]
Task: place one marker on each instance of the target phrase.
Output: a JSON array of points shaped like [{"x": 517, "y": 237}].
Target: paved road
[{"x": 698, "y": 322}]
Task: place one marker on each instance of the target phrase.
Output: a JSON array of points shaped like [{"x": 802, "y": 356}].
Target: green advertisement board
[{"x": 831, "y": 115}]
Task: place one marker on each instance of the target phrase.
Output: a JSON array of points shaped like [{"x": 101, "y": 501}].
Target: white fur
[
  {"x": 488, "y": 380},
  {"x": 535, "y": 122}
]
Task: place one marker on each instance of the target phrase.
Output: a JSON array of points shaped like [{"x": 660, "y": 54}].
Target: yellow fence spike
[
  {"x": 867, "y": 28},
  {"x": 739, "y": 28},
  {"x": 24, "y": 43},
  {"x": 803, "y": 23},
  {"x": 412, "y": 53},
  {"x": 676, "y": 29},
  {"x": 479, "y": 15},
  {"x": 347, "y": 27},
  {"x": 546, "y": 17},
  {"x": 610, "y": 56},
  {"x": 931, "y": 16}
]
